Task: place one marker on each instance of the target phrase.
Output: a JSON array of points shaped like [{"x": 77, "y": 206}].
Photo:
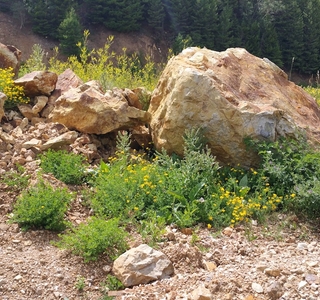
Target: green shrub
[
  {"x": 111, "y": 70},
  {"x": 94, "y": 238},
  {"x": 42, "y": 207},
  {"x": 17, "y": 179},
  {"x": 65, "y": 166},
  {"x": 34, "y": 62},
  {"x": 292, "y": 169}
]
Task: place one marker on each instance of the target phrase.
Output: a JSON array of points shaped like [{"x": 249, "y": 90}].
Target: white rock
[
  {"x": 141, "y": 265},
  {"x": 302, "y": 284},
  {"x": 257, "y": 288}
]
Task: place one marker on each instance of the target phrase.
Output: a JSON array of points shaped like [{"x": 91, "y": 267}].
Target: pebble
[
  {"x": 302, "y": 284},
  {"x": 257, "y": 288},
  {"x": 18, "y": 277},
  {"x": 302, "y": 246}
]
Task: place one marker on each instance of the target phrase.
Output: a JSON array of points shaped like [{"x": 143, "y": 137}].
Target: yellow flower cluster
[
  {"x": 14, "y": 93},
  {"x": 242, "y": 208}
]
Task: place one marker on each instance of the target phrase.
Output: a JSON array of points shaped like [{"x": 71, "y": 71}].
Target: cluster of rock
[
  {"x": 66, "y": 114},
  {"x": 231, "y": 95}
]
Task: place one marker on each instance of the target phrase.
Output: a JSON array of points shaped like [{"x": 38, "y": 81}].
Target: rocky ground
[{"x": 276, "y": 260}]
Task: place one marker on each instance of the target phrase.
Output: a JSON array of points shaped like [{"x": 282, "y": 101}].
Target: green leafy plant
[
  {"x": 35, "y": 62},
  {"x": 291, "y": 168},
  {"x": 152, "y": 228},
  {"x": 42, "y": 207},
  {"x": 113, "y": 283},
  {"x": 65, "y": 166},
  {"x": 111, "y": 70},
  {"x": 80, "y": 283},
  {"x": 17, "y": 179},
  {"x": 94, "y": 238}
]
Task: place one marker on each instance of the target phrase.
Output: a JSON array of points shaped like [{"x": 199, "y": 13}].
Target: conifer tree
[
  {"x": 311, "y": 42},
  {"x": 70, "y": 33},
  {"x": 289, "y": 28},
  {"x": 124, "y": 15},
  {"x": 155, "y": 15}
]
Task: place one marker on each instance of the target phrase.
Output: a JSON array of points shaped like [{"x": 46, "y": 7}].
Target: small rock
[
  {"x": 272, "y": 272},
  {"x": 209, "y": 266},
  {"x": 275, "y": 290},
  {"x": 302, "y": 284},
  {"x": 261, "y": 267},
  {"x": 200, "y": 293},
  {"x": 141, "y": 265},
  {"x": 227, "y": 231},
  {"x": 302, "y": 246},
  {"x": 18, "y": 277},
  {"x": 171, "y": 236},
  {"x": 107, "y": 269},
  {"x": 257, "y": 287},
  {"x": 311, "y": 278},
  {"x": 312, "y": 263}
]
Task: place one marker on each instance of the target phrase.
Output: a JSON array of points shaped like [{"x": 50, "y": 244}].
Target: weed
[
  {"x": 94, "y": 238},
  {"x": 17, "y": 179},
  {"x": 113, "y": 283},
  {"x": 34, "y": 62},
  {"x": 152, "y": 228},
  {"x": 80, "y": 283},
  {"x": 67, "y": 167},
  {"x": 42, "y": 206},
  {"x": 111, "y": 70}
]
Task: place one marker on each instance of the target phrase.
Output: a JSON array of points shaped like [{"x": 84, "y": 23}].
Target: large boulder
[
  {"x": 10, "y": 57},
  {"x": 231, "y": 95},
  {"x": 88, "y": 110},
  {"x": 38, "y": 83}
]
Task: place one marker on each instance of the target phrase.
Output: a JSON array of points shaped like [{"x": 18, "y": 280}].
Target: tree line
[{"x": 285, "y": 31}]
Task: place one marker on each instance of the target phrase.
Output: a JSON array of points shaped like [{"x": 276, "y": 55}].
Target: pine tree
[
  {"x": 310, "y": 59},
  {"x": 205, "y": 20},
  {"x": 47, "y": 15},
  {"x": 124, "y": 15},
  {"x": 269, "y": 42},
  {"x": 224, "y": 38},
  {"x": 289, "y": 28},
  {"x": 155, "y": 15},
  {"x": 70, "y": 34}
]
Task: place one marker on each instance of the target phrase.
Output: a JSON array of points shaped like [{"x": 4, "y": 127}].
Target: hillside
[{"x": 23, "y": 38}]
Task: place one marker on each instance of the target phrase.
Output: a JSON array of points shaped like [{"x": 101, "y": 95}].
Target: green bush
[
  {"x": 94, "y": 238},
  {"x": 292, "y": 169},
  {"x": 17, "y": 179},
  {"x": 184, "y": 191},
  {"x": 67, "y": 167},
  {"x": 42, "y": 207}
]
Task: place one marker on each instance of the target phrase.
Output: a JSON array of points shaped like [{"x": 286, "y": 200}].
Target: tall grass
[{"x": 110, "y": 69}]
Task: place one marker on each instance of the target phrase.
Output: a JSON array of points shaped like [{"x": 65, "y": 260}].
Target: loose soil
[{"x": 280, "y": 258}]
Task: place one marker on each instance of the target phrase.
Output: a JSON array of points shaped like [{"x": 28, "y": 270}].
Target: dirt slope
[{"x": 23, "y": 38}]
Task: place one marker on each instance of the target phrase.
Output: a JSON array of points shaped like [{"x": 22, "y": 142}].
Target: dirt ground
[{"x": 11, "y": 33}]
